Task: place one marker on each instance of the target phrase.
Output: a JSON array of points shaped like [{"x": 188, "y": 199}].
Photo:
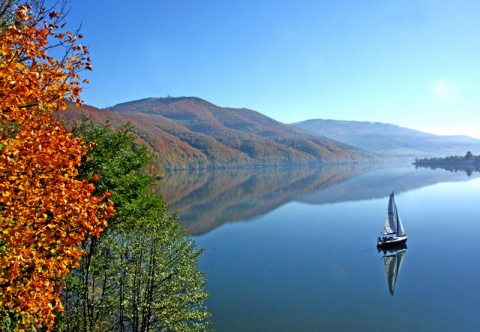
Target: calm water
[{"x": 302, "y": 257}]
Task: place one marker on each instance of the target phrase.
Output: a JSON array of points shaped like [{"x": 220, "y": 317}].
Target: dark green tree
[
  {"x": 468, "y": 156},
  {"x": 142, "y": 273}
]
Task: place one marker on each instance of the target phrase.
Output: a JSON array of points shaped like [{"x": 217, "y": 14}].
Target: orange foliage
[{"x": 45, "y": 213}]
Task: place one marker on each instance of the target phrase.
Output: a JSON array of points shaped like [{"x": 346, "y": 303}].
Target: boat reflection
[{"x": 393, "y": 259}]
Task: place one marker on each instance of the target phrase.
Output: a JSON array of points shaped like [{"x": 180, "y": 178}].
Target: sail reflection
[{"x": 393, "y": 259}]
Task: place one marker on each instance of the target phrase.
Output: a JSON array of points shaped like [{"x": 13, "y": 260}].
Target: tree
[
  {"x": 45, "y": 212},
  {"x": 158, "y": 275},
  {"x": 31, "y": 76},
  {"x": 468, "y": 156},
  {"x": 141, "y": 274}
]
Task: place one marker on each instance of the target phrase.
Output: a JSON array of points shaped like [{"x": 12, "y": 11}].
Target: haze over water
[{"x": 302, "y": 257}]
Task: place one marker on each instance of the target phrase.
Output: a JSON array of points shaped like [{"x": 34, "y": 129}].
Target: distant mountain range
[
  {"x": 188, "y": 132},
  {"x": 390, "y": 140}
]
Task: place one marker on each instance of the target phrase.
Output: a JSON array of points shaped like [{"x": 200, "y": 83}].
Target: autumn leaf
[{"x": 45, "y": 212}]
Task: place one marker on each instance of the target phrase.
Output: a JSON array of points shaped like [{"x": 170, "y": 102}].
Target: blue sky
[{"x": 414, "y": 63}]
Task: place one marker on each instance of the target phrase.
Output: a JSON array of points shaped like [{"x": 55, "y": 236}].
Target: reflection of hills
[
  {"x": 379, "y": 183},
  {"x": 208, "y": 199}
]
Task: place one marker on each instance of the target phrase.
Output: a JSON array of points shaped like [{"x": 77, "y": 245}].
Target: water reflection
[
  {"x": 468, "y": 169},
  {"x": 288, "y": 270},
  {"x": 207, "y": 199},
  {"x": 393, "y": 259}
]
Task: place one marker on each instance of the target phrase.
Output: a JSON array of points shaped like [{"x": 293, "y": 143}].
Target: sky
[{"x": 412, "y": 63}]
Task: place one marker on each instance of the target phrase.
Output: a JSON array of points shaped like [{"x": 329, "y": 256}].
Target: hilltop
[{"x": 189, "y": 132}]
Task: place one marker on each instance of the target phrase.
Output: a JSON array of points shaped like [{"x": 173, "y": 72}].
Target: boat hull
[{"x": 392, "y": 242}]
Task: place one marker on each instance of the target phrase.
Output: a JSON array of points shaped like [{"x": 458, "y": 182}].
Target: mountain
[
  {"x": 188, "y": 132},
  {"x": 390, "y": 140}
]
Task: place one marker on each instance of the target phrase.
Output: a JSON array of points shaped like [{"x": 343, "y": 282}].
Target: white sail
[
  {"x": 392, "y": 215},
  {"x": 400, "y": 229}
]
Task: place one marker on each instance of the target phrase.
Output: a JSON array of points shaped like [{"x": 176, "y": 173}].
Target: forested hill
[
  {"x": 189, "y": 132},
  {"x": 388, "y": 139}
]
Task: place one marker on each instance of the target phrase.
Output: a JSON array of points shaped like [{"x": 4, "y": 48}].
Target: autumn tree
[
  {"x": 142, "y": 273},
  {"x": 45, "y": 211}
]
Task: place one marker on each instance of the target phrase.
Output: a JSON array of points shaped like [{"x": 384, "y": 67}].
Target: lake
[{"x": 295, "y": 249}]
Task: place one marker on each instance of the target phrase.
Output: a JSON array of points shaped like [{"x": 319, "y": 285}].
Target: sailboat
[
  {"x": 393, "y": 260},
  {"x": 393, "y": 232}
]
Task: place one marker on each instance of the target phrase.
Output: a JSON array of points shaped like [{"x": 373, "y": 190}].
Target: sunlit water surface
[{"x": 307, "y": 265}]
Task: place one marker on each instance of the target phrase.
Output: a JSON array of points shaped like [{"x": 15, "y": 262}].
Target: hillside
[
  {"x": 190, "y": 132},
  {"x": 388, "y": 139}
]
